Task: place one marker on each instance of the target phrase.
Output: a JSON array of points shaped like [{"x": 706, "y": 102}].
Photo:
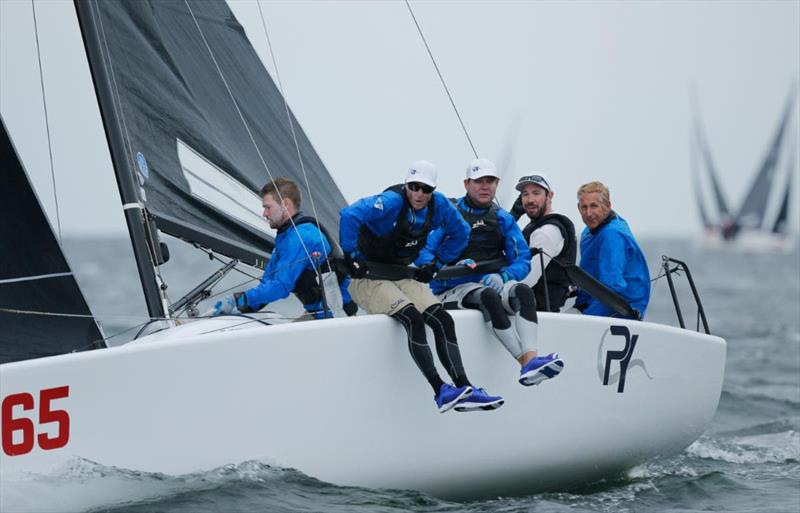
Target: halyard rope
[
  {"x": 453, "y": 103},
  {"x": 244, "y": 121},
  {"x": 291, "y": 126},
  {"x": 46, "y": 118}
]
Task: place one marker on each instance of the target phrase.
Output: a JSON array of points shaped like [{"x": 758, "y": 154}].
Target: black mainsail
[
  {"x": 754, "y": 204},
  {"x": 723, "y": 212},
  {"x": 781, "y": 224},
  {"x": 196, "y": 126},
  {"x": 42, "y": 310},
  {"x": 698, "y": 196}
]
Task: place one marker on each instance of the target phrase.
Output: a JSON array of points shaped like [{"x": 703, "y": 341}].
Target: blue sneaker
[
  {"x": 480, "y": 400},
  {"x": 450, "y": 395},
  {"x": 540, "y": 369}
]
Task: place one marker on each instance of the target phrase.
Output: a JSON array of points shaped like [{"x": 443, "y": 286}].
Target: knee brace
[
  {"x": 493, "y": 305},
  {"x": 526, "y": 301}
]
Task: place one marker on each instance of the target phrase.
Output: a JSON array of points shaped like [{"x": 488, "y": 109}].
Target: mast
[{"x": 129, "y": 190}]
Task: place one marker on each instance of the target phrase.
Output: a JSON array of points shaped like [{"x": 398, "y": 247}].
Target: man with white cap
[
  {"x": 391, "y": 228},
  {"x": 496, "y": 242},
  {"x": 549, "y": 233}
]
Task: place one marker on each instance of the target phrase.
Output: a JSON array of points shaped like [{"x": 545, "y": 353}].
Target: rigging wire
[
  {"x": 244, "y": 121},
  {"x": 433, "y": 60},
  {"x": 291, "y": 126},
  {"x": 46, "y": 119}
]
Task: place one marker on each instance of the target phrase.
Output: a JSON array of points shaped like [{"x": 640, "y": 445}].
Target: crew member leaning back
[
  {"x": 495, "y": 237},
  {"x": 391, "y": 228},
  {"x": 291, "y": 268},
  {"x": 610, "y": 253}
]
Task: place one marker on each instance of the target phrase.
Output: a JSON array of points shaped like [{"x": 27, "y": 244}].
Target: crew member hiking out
[
  {"x": 292, "y": 268},
  {"x": 550, "y": 233},
  {"x": 389, "y": 230},
  {"x": 495, "y": 236}
]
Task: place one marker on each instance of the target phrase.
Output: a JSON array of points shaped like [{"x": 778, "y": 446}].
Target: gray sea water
[{"x": 747, "y": 461}]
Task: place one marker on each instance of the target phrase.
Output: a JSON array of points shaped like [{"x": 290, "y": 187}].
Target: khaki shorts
[{"x": 389, "y": 297}]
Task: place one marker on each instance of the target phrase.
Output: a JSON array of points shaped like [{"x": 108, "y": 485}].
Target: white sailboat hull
[
  {"x": 342, "y": 401},
  {"x": 747, "y": 242}
]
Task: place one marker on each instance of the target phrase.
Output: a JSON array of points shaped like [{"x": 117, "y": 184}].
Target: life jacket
[
  {"x": 307, "y": 288},
  {"x": 402, "y": 245},
  {"x": 557, "y": 281},
  {"x": 486, "y": 241}
]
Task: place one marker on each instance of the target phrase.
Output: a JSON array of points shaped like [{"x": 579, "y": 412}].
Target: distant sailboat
[{"x": 752, "y": 228}]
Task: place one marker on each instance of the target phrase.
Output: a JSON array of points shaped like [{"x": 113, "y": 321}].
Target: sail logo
[
  {"x": 141, "y": 163},
  {"x": 624, "y": 357},
  {"x": 378, "y": 203},
  {"x": 478, "y": 224}
]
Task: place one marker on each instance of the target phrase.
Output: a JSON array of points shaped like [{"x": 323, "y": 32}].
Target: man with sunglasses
[
  {"x": 391, "y": 228},
  {"x": 495, "y": 240},
  {"x": 549, "y": 233}
]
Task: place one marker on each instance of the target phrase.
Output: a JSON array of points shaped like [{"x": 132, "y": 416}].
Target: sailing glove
[
  {"x": 225, "y": 307},
  {"x": 467, "y": 262},
  {"x": 494, "y": 282},
  {"x": 350, "y": 308},
  {"x": 517, "y": 209},
  {"x": 427, "y": 272},
  {"x": 355, "y": 265},
  {"x": 232, "y": 305}
]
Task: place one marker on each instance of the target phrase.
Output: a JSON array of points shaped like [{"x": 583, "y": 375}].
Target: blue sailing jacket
[
  {"x": 289, "y": 260},
  {"x": 611, "y": 255},
  {"x": 379, "y": 213},
  {"x": 517, "y": 253}
]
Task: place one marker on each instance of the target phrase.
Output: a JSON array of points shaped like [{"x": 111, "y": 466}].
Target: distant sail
[
  {"x": 42, "y": 310},
  {"x": 780, "y": 225},
  {"x": 698, "y": 191},
  {"x": 754, "y": 204},
  {"x": 168, "y": 100},
  {"x": 723, "y": 212}
]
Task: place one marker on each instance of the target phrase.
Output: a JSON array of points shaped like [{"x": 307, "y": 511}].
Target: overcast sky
[{"x": 596, "y": 90}]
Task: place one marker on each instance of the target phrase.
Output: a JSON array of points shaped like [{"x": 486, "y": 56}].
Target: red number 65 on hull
[{"x": 10, "y": 425}]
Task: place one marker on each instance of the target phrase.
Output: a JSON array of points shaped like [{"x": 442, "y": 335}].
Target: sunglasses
[
  {"x": 537, "y": 179},
  {"x": 416, "y": 187}
]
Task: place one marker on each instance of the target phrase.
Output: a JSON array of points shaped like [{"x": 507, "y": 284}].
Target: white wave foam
[
  {"x": 83, "y": 485},
  {"x": 767, "y": 448}
]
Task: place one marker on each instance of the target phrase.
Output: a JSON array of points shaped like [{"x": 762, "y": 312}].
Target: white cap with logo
[
  {"x": 479, "y": 168},
  {"x": 422, "y": 171}
]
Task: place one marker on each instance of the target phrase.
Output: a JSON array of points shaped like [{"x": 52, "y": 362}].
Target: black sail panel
[
  {"x": 754, "y": 204},
  {"x": 35, "y": 278},
  {"x": 203, "y": 121},
  {"x": 723, "y": 212},
  {"x": 698, "y": 192},
  {"x": 780, "y": 225}
]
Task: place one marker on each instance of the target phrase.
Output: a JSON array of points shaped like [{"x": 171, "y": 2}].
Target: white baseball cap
[
  {"x": 479, "y": 168},
  {"x": 422, "y": 171}
]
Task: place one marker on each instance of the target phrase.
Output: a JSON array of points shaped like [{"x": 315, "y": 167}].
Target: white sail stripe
[
  {"x": 32, "y": 278},
  {"x": 128, "y": 206},
  {"x": 217, "y": 188}
]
